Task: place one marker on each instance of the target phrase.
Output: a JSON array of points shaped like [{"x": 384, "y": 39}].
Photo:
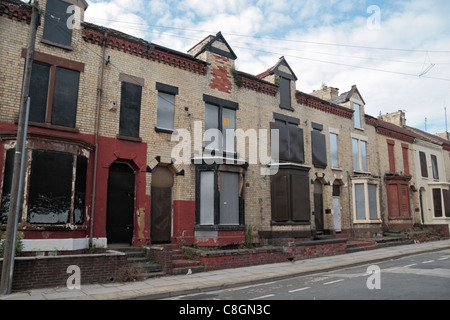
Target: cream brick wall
[{"x": 255, "y": 112}]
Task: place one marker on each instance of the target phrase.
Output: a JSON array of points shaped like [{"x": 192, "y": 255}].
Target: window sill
[
  {"x": 50, "y": 227},
  {"x": 337, "y": 169},
  {"x": 400, "y": 218},
  {"x": 367, "y": 221},
  {"x": 54, "y": 44},
  {"x": 162, "y": 130},
  {"x": 361, "y": 172},
  {"x": 132, "y": 139},
  {"x": 219, "y": 227},
  {"x": 290, "y": 223},
  {"x": 360, "y": 129}
]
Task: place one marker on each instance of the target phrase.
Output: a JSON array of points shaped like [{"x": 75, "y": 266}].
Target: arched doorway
[
  {"x": 120, "y": 204},
  {"x": 318, "y": 206},
  {"x": 161, "y": 205}
]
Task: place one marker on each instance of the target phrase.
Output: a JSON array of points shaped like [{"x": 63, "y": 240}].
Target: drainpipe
[{"x": 97, "y": 128}]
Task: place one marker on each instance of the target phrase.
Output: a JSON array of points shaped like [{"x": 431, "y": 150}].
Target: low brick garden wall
[
  {"x": 226, "y": 259},
  {"x": 51, "y": 271}
]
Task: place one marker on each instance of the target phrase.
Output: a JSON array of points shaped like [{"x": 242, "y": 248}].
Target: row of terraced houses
[{"x": 108, "y": 110}]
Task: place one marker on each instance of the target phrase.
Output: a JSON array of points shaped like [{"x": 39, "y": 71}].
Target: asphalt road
[{"x": 420, "y": 277}]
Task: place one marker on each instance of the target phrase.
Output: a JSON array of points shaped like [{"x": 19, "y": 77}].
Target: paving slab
[{"x": 172, "y": 286}]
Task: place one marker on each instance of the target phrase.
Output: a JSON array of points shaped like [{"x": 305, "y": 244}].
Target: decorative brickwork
[
  {"x": 15, "y": 11},
  {"x": 321, "y": 105},
  {"x": 149, "y": 51}
]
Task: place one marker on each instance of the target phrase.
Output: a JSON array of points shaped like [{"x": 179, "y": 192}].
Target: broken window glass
[
  {"x": 49, "y": 197},
  {"x": 7, "y": 181}
]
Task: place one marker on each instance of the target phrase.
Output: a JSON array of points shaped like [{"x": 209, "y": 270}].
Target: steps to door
[
  {"x": 137, "y": 261},
  {"x": 177, "y": 262}
]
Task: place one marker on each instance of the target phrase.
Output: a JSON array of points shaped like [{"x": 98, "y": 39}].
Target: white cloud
[{"x": 255, "y": 28}]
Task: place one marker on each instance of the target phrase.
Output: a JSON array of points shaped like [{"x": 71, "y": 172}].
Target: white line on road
[
  {"x": 331, "y": 282},
  {"x": 263, "y": 297},
  {"x": 443, "y": 258},
  {"x": 428, "y": 261},
  {"x": 410, "y": 265},
  {"x": 292, "y": 291}
]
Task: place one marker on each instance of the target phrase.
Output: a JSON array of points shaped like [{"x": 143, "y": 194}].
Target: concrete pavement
[{"x": 172, "y": 286}]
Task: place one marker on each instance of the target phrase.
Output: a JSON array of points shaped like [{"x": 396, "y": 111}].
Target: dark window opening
[
  {"x": 423, "y": 164},
  {"x": 55, "y": 25},
  {"x": 54, "y": 95},
  {"x": 434, "y": 165},
  {"x": 437, "y": 203},
  {"x": 285, "y": 94},
  {"x": 49, "y": 198},
  {"x": 130, "y": 110},
  {"x": 291, "y": 143},
  {"x": 319, "y": 148},
  {"x": 446, "y": 194}
]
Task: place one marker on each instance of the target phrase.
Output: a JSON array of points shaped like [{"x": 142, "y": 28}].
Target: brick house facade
[{"x": 108, "y": 110}]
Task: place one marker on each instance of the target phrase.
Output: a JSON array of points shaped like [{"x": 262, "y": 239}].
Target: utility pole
[{"x": 17, "y": 178}]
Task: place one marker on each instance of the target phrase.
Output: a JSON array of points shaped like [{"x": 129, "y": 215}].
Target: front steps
[
  {"x": 179, "y": 263},
  {"x": 139, "y": 264}
]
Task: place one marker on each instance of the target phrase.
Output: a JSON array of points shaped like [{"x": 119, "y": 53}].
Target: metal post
[{"x": 14, "y": 206}]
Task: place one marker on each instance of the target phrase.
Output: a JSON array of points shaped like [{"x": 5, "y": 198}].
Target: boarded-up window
[
  {"x": 290, "y": 197},
  {"x": 373, "y": 203},
  {"x": 220, "y": 115},
  {"x": 166, "y": 106},
  {"x": 446, "y": 194},
  {"x": 55, "y": 25},
  {"x": 360, "y": 198},
  {"x": 437, "y": 203},
  {"x": 65, "y": 97},
  {"x": 334, "y": 150},
  {"x": 359, "y": 149},
  {"x": 366, "y": 201},
  {"x": 285, "y": 94},
  {"x": 434, "y": 164},
  {"x": 39, "y": 84},
  {"x": 130, "y": 110},
  {"x": 291, "y": 143},
  {"x": 7, "y": 181},
  {"x": 166, "y": 111},
  {"x": 405, "y": 150},
  {"x": 229, "y": 198},
  {"x": 207, "y": 198},
  {"x": 391, "y": 156},
  {"x": 319, "y": 149},
  {"x": 219, "y": 198},
  {"x": 54, "y": 95},
  {"x": 423, "y": 164}
]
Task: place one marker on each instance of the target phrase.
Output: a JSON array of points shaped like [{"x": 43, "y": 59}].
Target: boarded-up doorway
[
  {"x": 120, "y": 203},
  {"x": 161, "y": 205},
  {"x": 318, "y": 206}
]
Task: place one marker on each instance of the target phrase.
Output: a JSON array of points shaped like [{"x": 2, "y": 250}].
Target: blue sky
[{"x": 325, "y": 42}]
